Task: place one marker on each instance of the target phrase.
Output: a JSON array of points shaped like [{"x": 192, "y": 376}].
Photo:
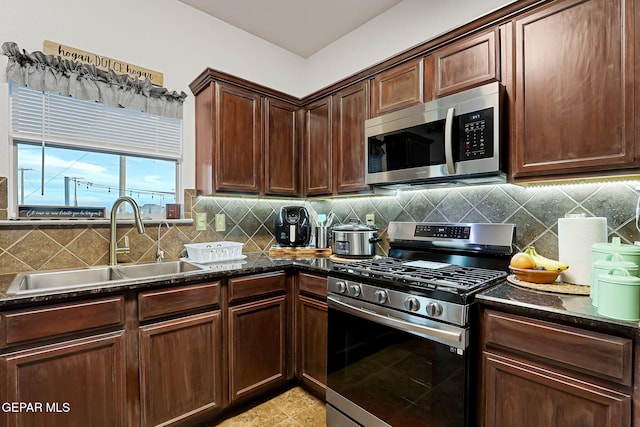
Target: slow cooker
[{"x": 355, "y": 239}]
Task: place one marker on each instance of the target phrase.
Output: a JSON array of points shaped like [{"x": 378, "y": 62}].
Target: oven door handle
[
  {"x": 448, "y": 142},
  {"x": 395, "y": 322}
]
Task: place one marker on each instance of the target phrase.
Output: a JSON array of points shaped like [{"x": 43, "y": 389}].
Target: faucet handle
[{"x": 124, "y": 249}]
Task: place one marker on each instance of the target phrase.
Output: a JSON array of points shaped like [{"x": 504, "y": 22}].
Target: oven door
[{"x": 387, "y": 370}]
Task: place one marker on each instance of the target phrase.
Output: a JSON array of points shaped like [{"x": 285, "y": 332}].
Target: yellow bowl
[{"x": 535, "y": 276}]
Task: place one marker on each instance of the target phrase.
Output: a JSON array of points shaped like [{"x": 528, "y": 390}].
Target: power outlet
[
  {"x": 201, "y": 221},
  {"x": 370, "y": 219},
  {"x": 220, "y": 222}
]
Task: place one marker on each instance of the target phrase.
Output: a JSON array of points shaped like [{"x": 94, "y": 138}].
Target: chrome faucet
[
  {"x": 159, "y": 251},
  {"x": 114, "y": 250}
]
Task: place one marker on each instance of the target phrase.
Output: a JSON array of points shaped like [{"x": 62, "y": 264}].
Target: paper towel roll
[{"x": 575, "y": 237}]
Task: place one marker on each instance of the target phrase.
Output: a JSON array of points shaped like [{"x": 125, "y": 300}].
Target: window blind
[{"x": 52, "y": 118}]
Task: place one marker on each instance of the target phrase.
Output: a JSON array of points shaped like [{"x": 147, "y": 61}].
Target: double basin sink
[{"x": 27, "y": 283}]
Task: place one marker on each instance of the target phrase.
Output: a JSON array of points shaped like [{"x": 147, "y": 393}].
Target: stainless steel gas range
[{"x": 402, "y": 331}]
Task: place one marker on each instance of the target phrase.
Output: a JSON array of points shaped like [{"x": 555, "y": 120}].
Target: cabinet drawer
[
  {"x": 599, "y": 355},
  {"x": 313, "y": 284},
  {"x": 259, "y": 284},
  {"x": 168, "y": 301},
  {"x": 44, "y": 322}
]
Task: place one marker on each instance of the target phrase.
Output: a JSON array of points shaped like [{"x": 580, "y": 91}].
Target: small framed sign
[{"x": 60, "y": 212}]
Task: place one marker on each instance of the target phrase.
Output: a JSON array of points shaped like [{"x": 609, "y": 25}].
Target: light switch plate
[
  {"x": 220, "y": 222},
  {"x": 201, "y": 221},
  {"x": 370, "y": 219}
]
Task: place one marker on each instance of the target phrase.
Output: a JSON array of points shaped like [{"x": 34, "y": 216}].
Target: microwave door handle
[{"x": 448, "y": 141}]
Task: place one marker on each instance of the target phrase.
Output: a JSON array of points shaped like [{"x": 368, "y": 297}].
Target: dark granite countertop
[
  {"x": 572, "y": 310},
  {"x": 255, "y": 263}
]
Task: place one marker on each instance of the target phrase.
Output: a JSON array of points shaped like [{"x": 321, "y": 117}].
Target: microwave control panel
[{"x": 475, "y": 132}]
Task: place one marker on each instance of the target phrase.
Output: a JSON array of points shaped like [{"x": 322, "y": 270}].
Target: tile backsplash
[{"x": 534, "y": 210}]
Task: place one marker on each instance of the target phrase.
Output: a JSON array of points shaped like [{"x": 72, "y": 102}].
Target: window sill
[{"x": 73, "y": 222}]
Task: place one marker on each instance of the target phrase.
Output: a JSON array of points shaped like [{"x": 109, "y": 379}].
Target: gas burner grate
[{"x": 438, "y": 276}]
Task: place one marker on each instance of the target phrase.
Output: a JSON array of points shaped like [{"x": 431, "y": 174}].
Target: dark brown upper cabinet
[
  {"x": 228, "y": 139},
  {"x": 350, "y": 110},
  {"x": 569, "y": 72},
  {"x": 246, "y": 137},
  {"x": 574, "y": 89},
  {"x": 282, "y": 161},
  {"x": 238, "y": 139},
  {"x": 470, "y": 62},
  {"x": 318, "y": 150},
  {"x": 397, "y": 88}
]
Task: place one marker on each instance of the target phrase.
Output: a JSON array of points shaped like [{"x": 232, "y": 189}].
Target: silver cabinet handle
[{"x": 448, "y": 141}]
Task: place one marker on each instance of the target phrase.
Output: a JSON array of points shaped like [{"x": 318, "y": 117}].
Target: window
[
  {"x": 75, "y": 177},
  {"x": 69, "y": 152}
]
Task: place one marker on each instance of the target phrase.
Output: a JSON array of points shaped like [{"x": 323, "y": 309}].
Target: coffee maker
[{"x": 293, "y": 226}]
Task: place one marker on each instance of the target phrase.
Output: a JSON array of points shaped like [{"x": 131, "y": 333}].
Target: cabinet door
[
  {"x": 74, "y": 383},
  {"x": 238, "y": 139},
  {"x": 519, "y": 394},
  {"x": 311, "y": 331},
  {"x": 574, "y": 77},
  {"x": 180, "y": 368},
  {"x": 205, "y": 118},
  {"x": 318, "y": 171},
  {"x": 281, "y": 149},
  {"x": 466, "y": 63},
  {"x": 351, "y": 108},
  {"x": 257, "y": 347},
  {"x": 397, "y": 88}
]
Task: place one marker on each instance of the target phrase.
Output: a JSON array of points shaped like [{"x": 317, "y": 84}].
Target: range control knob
[
  {"x": 341, "y": 287},
  {"x": 381, "y": 297},
  {"x": 434, "y": 309},
  {"x": 355, "y": 290},
  {"x": 412, "y": 304}
]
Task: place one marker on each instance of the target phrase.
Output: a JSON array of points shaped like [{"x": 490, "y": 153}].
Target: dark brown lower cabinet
[
  {"x": 257, "y": 347},
  {"x": 525, "y": 395},
  {"x": 543, "y": 374},
  {"x": 180, "y": 373},
  {"x": 311, "y": 332},
  {"x": 72, "y": 383},
  {"x": 312, "y": 344}
]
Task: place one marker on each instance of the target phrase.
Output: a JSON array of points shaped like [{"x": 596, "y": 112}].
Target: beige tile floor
[{"x": 293, "y": 408}]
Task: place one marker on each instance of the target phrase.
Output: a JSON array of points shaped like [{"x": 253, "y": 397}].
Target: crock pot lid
[{"x": 354, "y": 226}]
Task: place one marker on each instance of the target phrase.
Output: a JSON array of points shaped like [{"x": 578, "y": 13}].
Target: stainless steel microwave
[{"x": 454, "y": 137}]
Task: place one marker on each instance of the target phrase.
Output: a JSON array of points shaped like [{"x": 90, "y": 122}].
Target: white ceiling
[{"x": 302, "y": 27}]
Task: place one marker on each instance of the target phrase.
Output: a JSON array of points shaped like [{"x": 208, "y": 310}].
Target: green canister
[
  {"x": 603, "y": 266},
  {"x": 600, "y": 251},
  {"x": 619, "y": 295}
]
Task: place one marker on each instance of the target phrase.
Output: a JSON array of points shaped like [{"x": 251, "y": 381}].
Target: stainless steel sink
[
  {"x": 138, "y": 271},
  {"x": 26, "y": 283},
  {"x": 62, "y": 279}
]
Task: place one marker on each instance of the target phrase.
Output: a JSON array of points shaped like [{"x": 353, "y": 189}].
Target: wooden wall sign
[
  {"x": 102, "y": 62},
  {"x": 60, "y": 212}
]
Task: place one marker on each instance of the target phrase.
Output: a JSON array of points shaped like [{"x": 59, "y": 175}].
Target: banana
[{"x": 546, "y": 263}]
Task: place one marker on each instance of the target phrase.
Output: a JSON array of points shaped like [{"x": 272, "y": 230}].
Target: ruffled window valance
[{"x": 86, "y": 82}]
